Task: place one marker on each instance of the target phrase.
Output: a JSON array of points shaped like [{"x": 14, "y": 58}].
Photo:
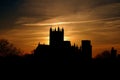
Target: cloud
[
  {"x": 13, "y": 11},
  {"x": 8, "y": 13},
  {"x": 107, "y": 11},
  {"x": 81, "y": 19},
  {"x": 72, "y": 22}
]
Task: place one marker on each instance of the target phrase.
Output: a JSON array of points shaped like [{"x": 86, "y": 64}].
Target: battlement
[
  {"x": 56, "y": 36},
  {"x": 56, "y": 30}
]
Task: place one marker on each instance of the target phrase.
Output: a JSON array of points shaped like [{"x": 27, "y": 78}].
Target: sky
[{"x": 25, "y": 23}]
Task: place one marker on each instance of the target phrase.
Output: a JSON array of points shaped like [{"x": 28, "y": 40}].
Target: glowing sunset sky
[{"x": 25, "y": 23}]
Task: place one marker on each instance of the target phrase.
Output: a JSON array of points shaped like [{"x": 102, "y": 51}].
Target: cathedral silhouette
[{"x": 62, "y": 51}]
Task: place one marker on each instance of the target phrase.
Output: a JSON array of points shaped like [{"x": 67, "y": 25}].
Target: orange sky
[
  {"x": 25, "y": 23},
  {"x": 28, "y": 37}
]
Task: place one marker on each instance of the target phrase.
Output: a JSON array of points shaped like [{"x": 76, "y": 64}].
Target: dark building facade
[
  {"x": 58, "y": 49},
  {"x": 56, "y": 37},
  {"x": 113, "y": 53},
  {"x": 86, "y": 49}
]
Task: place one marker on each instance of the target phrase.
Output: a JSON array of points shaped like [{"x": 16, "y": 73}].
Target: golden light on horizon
[
  {"x": 46, "y": 40},
  {"x": 66, "y": 38}
]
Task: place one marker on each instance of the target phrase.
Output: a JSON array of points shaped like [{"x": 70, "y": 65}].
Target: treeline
[{"x": 10, "y": 54}]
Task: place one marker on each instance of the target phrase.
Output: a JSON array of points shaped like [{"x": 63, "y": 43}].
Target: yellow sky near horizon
[
  {"x": 25, "y": 23},
  {"x": 27, "y": 38}
]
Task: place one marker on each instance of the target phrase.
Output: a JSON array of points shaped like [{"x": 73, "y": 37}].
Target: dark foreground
[{"x": 31, "y": 59}]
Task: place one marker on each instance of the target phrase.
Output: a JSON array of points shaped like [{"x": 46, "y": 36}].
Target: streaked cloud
[
  {"x": 28, "y": 21},
  {"x": 72, "y": 22}
]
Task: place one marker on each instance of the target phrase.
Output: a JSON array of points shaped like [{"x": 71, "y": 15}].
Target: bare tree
[{"x": 7, "y": 49}]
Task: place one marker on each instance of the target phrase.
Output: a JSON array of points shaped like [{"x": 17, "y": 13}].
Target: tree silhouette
[
  {"x": 7, "y": 49},
  {"x": 104, "y": 55}
]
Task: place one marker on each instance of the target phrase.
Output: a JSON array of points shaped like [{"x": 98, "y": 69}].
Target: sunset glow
[
  {"x": 27, "y": 23},
  {"x": 72, "y": 22}
]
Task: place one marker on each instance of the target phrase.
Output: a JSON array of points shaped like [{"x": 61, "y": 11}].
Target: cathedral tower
[{"x": 56, "y": 37}]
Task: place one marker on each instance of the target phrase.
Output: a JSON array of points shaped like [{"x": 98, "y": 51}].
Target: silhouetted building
[
  {"x": 56, "y": 37},
  {"x": 86, "y": 50},
  {"x": 42, "y": 50},
  {"x": 60, "y": 50},
  {"x": 113, "y": 53},
  {"x": 66, "y": 44}
]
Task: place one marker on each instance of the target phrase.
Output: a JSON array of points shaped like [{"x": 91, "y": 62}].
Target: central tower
[{"x": 56, "y": 37}]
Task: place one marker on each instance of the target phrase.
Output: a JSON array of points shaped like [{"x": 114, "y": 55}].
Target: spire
[
  {"x": 58, "y": 28},
  {"x": 51, "y": 28},
  {"x": 55, "y": 29},
  {"x": 62, "y": 29},
  {"x": 74, "y": 44}
]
